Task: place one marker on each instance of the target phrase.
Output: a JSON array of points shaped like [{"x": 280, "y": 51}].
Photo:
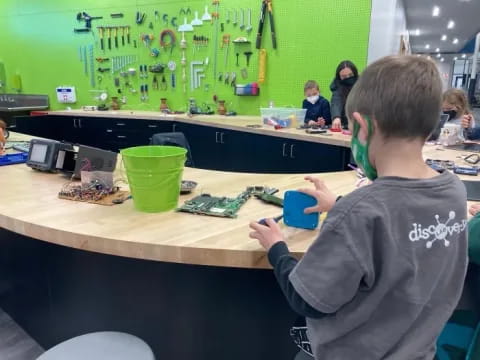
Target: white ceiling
[{"x": 465, "y": 14}]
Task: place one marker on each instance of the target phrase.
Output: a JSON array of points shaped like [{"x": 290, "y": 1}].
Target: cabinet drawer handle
[
  {"x": 80, "y": 123},
  {"x": 74, "y": 123},
  {"x": 153, "y": 126},
  {"x": 221, "y": 138},
  {"x": 109, "y": 130},
  {"x": 121, "y": 137},
  {"x": 174, "y": 126},
  {"x": 291, "y": 152},
  {"x": 283, "y": 151},
  {"x": 216, "y": 137},
  {"x": 120, "y": 124}
]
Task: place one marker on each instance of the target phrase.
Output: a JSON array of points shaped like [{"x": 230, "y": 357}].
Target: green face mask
[{"x": 360, "y": 151}]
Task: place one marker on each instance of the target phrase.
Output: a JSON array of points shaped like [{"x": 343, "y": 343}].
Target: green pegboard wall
[{"x": 37, "y": 42}]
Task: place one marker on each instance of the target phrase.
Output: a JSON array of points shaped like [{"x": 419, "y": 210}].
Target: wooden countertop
[
  {"x": 30, "y": 207},
  {"x": 238, "y": 123}
]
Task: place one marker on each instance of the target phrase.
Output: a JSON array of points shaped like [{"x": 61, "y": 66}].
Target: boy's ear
[{"x": 362, "y": 122}]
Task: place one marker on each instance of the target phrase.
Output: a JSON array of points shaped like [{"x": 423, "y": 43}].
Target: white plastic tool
[
  {"x": 197, "y": 21},
  {"x": 185, "y": 27},
  {"x": 206, "y": 16}
]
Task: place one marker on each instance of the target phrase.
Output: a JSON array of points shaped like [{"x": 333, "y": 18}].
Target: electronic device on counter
[
  {"x": 225, "y": 207},
  {"x": 316, "y": 131},
  {"x": 93, "y": 159},
  {"x": 47, "y": 155},
  {"x": 472, "y": 171}
]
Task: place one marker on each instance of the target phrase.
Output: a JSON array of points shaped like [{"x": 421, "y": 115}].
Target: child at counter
[
  {"x": 318, "y": 108},
  {"x": 455, "y": 104},
  {"x": 3, "y": 128},
  {"x": 388, "y": 267}
]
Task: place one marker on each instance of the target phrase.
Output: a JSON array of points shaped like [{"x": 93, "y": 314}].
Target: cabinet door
[{"x": 310, "y": 157}]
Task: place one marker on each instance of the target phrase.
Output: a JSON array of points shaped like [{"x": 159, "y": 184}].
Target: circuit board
[{"x": 225, "y": 207}]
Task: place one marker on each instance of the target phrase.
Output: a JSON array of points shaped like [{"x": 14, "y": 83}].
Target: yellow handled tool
[{"x": 262, "y": 66}]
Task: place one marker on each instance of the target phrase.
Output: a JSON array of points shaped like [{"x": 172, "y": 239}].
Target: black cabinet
[{"x": 212, "y": 148}]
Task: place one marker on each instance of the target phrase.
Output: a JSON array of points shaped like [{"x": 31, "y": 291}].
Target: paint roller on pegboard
[{"x": 262, "y": 66}]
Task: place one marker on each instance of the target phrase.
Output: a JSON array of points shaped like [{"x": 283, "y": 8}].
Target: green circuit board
[{"x": 207, "y": 204}]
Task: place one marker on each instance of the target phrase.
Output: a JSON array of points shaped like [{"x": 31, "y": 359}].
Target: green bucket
[{"x": 155, "y": 175}]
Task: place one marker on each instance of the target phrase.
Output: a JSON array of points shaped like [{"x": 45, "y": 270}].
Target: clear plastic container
[{"x": 283, "y": 117}]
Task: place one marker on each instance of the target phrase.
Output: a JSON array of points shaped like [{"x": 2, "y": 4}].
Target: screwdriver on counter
[{"x": 276, "y": 219}]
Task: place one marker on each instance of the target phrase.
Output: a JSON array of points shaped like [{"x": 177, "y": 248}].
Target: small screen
[{"x": 39, "y": 153}]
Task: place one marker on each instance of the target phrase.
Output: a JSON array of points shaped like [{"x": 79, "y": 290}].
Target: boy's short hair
[
  {"x": 311, "y": 84},
  {"x": 402, "y": 93},
  {"x": 458, "y": 98},
  {"x": 3, "y": 125}
]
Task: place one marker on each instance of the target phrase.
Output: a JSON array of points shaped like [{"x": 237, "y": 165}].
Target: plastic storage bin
[{"x": 283, "y": 117}]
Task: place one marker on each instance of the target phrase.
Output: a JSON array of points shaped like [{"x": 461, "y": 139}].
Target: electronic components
[
  {"x": 206, "y": 204},
  {"x": 47, "y": 155}
]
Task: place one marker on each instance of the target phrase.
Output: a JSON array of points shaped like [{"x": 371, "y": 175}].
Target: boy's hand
[
  {"x": 474, "y": 209},
  {"x": 467, "y": 121},
  {"x": 321, "y": 121},
  {"x": 311, "y": 123},
  {"x": 325, "y": 198},
  {"x": 337, "y": 123},
  {"x": 267, "y": 236}
]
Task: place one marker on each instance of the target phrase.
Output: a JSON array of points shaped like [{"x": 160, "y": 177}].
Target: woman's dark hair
[
  {"x": 345, "y": 90},
  {"x": 344, "y": 65}
]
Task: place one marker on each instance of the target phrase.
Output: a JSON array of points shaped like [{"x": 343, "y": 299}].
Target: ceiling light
[
  {"x": 417, "y": 32},
  {"x": 427, "y": 46},
  {"x": 436, "y": 11},
  {"x": 444, "y": 37},
  {"x": 464, "y": 56},
  {"x": 455, "y": 41},
  {"x": 437, "y": 50},
  {"x": 451, "y": 24},
  {"x": 455, "y": 58},
  {"x": 438, "y": 55},
  {"x": 442, "y": 59}
]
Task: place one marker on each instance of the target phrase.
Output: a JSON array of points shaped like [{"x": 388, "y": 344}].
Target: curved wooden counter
[{"x": 30, "y": 207}]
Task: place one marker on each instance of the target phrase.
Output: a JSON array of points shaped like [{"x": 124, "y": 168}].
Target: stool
[{"x": 106, "y": 345}]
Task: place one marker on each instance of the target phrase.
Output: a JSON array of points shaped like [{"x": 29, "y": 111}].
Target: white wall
[{"x": 387, "y": 23}]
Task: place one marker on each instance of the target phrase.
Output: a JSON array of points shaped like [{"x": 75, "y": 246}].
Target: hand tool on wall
[
  {"x": 248, "y": 54},
  {"x": 102, "y": 60},
  {"x": 92, "y": 66},
  {"x": 83, "y": 16},
  {"x": 140, "y": 18},
  {"x": 157, "y": 15},
  {"x": 226, "y": 46},
  {"x": 163, "y": 84},
  {"x": 101, "y": 31},
  {"x": 233, "y": 79},
  {"x": 109, "y": 36},
  {"x": 266, "y": 6},
  {"x": 235, "y": 20},
  {"x": 146, "y": 92},
  {"x": 115, "y": 33},
  {"x": 185, "y": 11},
  {"x": 206, "y": 16},
  {"x": 84, "y": 30},
  {"x": 238, "y": 56},
  {"x": 227, "y": 18},
  {"x": 116, "y": 16},
  {"x": 244, "y": 73},
  {"x": 242, "y": 19},
  {"x": 102, "y": 70},
  {"x": 123, "y": 35},
  {"x": 127, "y": 31},
  {"x": 167, "y": 34},
  {"x": 249, "y": 20},
  {"x": 196, "y": 21},
  {"x": 155, "y": 82},
  {"x": 85, "y": 61},
  {"x": 165, "y": 19},
  {"x": 262, "y": 66},
  {"x": 174, "y": 22}
]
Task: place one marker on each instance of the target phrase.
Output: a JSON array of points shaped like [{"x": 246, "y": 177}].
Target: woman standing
[{"x": 345, "y": 77}]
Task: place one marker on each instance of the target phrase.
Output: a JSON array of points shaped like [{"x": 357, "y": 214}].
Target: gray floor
[{"x": 15, "y": 344}]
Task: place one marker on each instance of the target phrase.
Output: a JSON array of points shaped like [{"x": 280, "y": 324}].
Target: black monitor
[
  {"x": 47, "y": 155},
  {"x": 93, "y": 159}
]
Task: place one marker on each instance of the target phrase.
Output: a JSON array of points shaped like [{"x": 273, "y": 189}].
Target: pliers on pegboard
[{"x": 266, "y": 5}]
